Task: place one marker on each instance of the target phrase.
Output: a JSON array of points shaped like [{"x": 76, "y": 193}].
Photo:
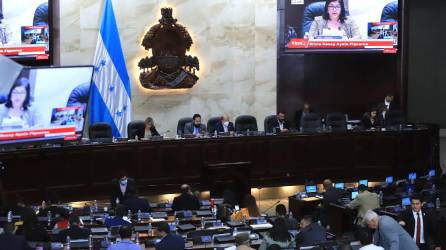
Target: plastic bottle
[
  {"x": 139, "y": 216},
  {"x": 381, "y": 195},
  {"x": 202, "y": 222},
  {"x": 437, "y": 203},
  {"x": 149, "y": 231},
  {"x": 9, "y": 217},
  {"x": 129, "y": 214},
  {"x": 49, "y": 218},
  {"x": 290, "y": 215},
  {"x": 68, "y": 243},
  {"x": 235, "y": 231},
  {"x": 90, "y": 242}
]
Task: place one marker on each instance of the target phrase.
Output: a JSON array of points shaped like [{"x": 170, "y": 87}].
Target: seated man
[
  {"x": 135, "y": 204},
  {"x": 331, "y": 195},
  {"x": 310, "y": 232},
  {"x": 195, "y": 127},
  {"x": 365, "y": 237},
  {"x": 280, "y": 125},
  {"x": 117, "y": 220},
  {"x": 75, "y": 231},
  {"x": 363, "y": 202},
  {"x": 281, "y": 212},
  {"x": 9, "y": 241},
  {"x": 186, "y": 201},
  {"x": 168, "y": 241},
  {"x": 125, "y": 232},
  {"x": 225, "y": 126}
]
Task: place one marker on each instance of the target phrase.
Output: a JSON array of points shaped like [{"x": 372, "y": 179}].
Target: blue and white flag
[{"x": 110, "y": 98}]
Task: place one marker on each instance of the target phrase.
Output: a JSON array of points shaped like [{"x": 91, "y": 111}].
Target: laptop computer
[
  {"x": 364, "y": 182},
  {"x": 354, "y": 194},
  {"x": 340, "y": 185},
  {"x": 311, "y": 189}
]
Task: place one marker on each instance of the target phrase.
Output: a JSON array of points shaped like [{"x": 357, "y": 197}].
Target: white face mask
[{"x": 226, "y": 123}]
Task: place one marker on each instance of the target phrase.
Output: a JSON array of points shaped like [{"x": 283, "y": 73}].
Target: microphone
[{"x": 277, "y": 202}]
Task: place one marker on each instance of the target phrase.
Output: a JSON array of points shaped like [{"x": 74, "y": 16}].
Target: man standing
[
  {"x": 331, "y": 195},
  {"x": 363, "y": 202},
  {"x": 388, "y": 233},
  {"x": 122, "y": 188},
  {"x": 419, "y": 225}
]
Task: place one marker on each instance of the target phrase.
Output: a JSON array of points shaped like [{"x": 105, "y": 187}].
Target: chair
[
  {"x": 267, "y": 123},
  {"x": 311, "y": 123},
  {"x": 244, "y": 123},
  {"x": 311, "y": 11},
  {"x": 394, "y": 118},
  {"x": 212, "y": 123},
  {"x": 336, "y": 122},
  {"x": 101, "y": 132},
  {"x": 181, "y": 123},
  {"x": 136, "y": 128},
  {"x": 390, "y": 12}
]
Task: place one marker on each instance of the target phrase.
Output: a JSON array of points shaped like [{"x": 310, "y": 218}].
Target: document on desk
[{"x": 311, "y": 199}]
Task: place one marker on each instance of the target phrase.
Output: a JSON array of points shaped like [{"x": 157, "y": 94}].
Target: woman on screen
[
  {"x": 17, "y": 112},
  {"x": 334, "y": 24}
]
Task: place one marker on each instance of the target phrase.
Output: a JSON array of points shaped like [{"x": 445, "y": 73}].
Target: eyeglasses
[
  {"x": 15, "y": 92},
  {"x": 334, "y": 7}
]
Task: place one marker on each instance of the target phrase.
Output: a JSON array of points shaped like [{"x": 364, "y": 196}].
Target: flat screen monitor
[
  {"x": 389, "y": 179},
  {"x": 311, "y": 189},
  {"x": 340, "y": 185},
  {"x": 405, "y": 201},
  {"x": 364, "y": 182},
  {"x": 412, "y": 176},
  {"x": 26, "y": 31},
  {"x": 432, "y": 173},
  {"x": 354, "y": 194},
  {"x": 45, "y": 104},
  {"x": 366, "y": 26}
]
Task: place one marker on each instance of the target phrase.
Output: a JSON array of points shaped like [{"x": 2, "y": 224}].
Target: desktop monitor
[
  {"x": 340, "y": 185},
  {"x": 389, "y": 179},
  {"x": 364, "y": 182},
  {"x": 412, "y": 176},
  {"x": 311, "y": 189},
  {"x": 432, "y": 173},
  {"x": 354, "y": 194},
  {"x": 405, "y": 201}
]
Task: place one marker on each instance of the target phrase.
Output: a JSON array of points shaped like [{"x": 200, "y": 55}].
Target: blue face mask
[{"x": 124, "y": 182}]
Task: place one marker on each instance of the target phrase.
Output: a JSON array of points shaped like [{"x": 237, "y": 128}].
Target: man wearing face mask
[
  {"x": 280, "y": 125},
  {"x": 225, "y": 126},
  {"x": 195, "y": 127},
  {"x": 122, "y": 187}
]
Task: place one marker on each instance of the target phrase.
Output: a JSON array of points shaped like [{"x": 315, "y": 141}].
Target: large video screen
[
  {"x": 359, "y": 25},
  {"x": 45, "y": 104},
  {"x": 25, "y": 30}
]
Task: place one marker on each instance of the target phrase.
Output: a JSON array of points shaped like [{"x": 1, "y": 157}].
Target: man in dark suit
[
  {"x": 122, "y": 188},
  {"x": 135, "y": 204},
  {"x": 195, "y": 127},
  {"x": 306, "y": 109},
  {"x": 279, "y": 125},
  {"x": 331, "y": 195},
  {"x": 168, "y": 240},
  {"x": 186, "y": 201},
  {"x": 389, "y": 103},
  {"x": 74, "y": 231},
  {"x": 310, "y": 233},
  {"x": 225, "y": 126},
  {"x": 419, "y": 225},
  {"x": 10, "y": 241}
]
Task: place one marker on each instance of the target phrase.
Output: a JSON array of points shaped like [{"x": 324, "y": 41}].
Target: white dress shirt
[
  {"x": 123, "y": 188},
  {"x": 280, "y": 125},
  {"x": 421, "y": 226},
  {"x": 225, "y": 128},
  {"x": 371, "y": 247},
  {"x": 387, "y": 104}
]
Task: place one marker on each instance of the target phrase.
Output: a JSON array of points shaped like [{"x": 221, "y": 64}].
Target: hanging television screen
[
  {"x": 45, "y": 104},
  {"x": 341, "y": 25},
  {"x": 25, "y": 31}
]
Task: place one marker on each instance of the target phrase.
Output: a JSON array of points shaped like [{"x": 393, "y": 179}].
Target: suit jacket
[
  {"x": 332, "y": 195},
  {"x": 171, "y": 242},
  {"x": 185, "y": 202},
  {"x": 311, "y": 235},
  {"x": 275, "y": 124},
  {"x": 363, "y": 202},
  {"x": 220, "y": 129},
  {"x": 134, "y": 204},
  {"x": 392, "y": 236},
  {"x": 393, "y": 106},
  {"x": 13, "y": 242},
  {"x": 189, "y": 128},
  {"x": 409, "y": 220},
  {"x": 75, "y": 233},
  {"x": 116, "y": 191}
]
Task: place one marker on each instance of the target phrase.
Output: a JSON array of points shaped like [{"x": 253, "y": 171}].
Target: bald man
[
  {"x": 331, "y": 195},
  {"x": 224, "y": 126},
  {"x": 186, "y": 200}
]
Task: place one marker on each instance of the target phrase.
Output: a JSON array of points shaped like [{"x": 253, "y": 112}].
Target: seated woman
[
  {"x": 150, "y": 129},
  {"x": 249, "y": 209},
  {"x": 334, "y": 23},
  {"x": 17, "y": 112},
  {"x": 278, "y": 235}
]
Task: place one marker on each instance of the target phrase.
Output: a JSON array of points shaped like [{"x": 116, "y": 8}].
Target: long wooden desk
[{"x": 84, "y": 171}]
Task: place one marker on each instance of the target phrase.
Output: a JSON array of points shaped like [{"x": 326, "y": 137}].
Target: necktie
[{"x": 418, "y": 236}]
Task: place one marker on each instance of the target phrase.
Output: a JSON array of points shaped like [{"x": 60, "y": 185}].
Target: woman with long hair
[{"x": 278, "y": 235}]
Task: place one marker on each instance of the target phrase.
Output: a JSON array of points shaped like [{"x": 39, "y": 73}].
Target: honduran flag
[{"x": 110, "y": 96}]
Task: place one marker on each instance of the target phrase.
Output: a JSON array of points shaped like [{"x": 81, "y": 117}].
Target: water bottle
[
  {"x": 437, "y": 203},
  {"x": 433, "y": 188},
  {"x": 137, "y": 238},
  {"x": 234, "y": 232},
  {"x": 95, "y": 205},
  {"x": 68, "y": 243},
  {"x": 9, "y": 216},
  {"x": 290, "y": 215},
  {"x": 149, "y": 231},
  {"x": 139, "y": 216},
  {"x": 177, "y": 222},
  {"x": 215, "y": 133},
  {"x": 117, "y": 200},
  {"x": 91, "y": 215},
  {"x": 202, "y": 222},
  {"x": 129, "y": 214},
  {"x": 381, "y": 198},
  {"x": 90, "y": 242},
  {"x": 49, "y": 218}
]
